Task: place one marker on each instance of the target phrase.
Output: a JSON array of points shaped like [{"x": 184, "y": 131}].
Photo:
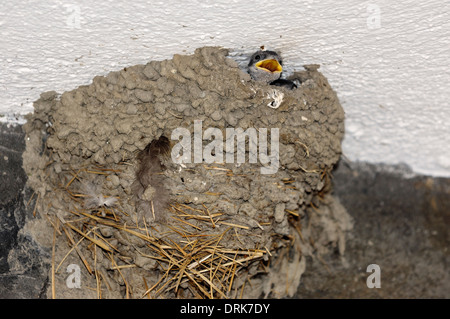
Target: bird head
[{"x": 265, "y": 66}]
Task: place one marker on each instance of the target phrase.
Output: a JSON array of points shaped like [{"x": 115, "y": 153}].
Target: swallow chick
[{"x": 267, "y": 66}]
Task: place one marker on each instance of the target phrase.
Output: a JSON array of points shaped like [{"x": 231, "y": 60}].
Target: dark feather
[
  {"x": 149, "y": 177},
  {"x": 284, "y": 83}
]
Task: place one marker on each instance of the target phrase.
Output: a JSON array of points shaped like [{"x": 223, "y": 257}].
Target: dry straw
[{"x": 191, "y": 258}]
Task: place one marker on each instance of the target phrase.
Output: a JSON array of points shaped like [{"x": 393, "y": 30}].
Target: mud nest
[{"x": 199, "y": 229}]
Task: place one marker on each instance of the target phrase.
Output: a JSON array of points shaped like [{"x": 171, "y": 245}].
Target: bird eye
[
  {"x": 281, "y": 62},
  {"x": 257, "y": 58}
]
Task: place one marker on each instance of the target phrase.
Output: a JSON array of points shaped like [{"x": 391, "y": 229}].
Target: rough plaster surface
[{"x": 387, "y": 61}]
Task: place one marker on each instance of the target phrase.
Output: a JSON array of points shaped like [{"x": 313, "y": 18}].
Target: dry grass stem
[{"x": 188, "y": 250}]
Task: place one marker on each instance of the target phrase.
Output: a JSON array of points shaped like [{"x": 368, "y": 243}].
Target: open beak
[{"x": 270, "y": 65}]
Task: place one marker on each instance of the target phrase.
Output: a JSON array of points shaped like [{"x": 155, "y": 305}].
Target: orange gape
[{"x": 270, "y": 65}]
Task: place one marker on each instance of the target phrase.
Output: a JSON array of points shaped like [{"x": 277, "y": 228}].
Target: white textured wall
[{"x": 388, "y": 61}]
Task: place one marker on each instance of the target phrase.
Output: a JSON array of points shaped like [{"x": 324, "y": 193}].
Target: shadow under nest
[{"x": 225, "y": 230}]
